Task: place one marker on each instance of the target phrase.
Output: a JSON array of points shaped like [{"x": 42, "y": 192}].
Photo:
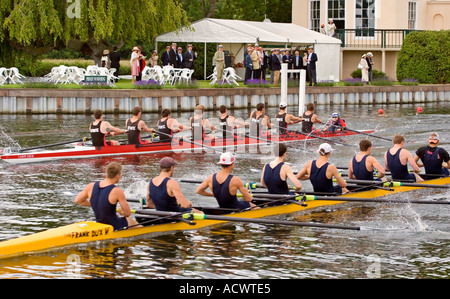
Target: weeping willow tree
[{"x": 29, "y": 28}]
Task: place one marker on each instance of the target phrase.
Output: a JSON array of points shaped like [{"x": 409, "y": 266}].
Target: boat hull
[
  {"x": 89, "y": 231},
  {"x": 79, "y": 151}
]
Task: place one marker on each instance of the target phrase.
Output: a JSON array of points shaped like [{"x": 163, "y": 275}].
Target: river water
[{"x": 398, "y": 240}]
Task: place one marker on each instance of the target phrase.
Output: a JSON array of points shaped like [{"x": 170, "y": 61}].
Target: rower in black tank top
[
  {"x": 227, "y": 130},
  {"x": 165, "y": 130},
  {"x": 307, "y": 124},
  {"x": 280, "y": 121},
  {"x": 134, "y": 134},
  {"x": 98, "y": 138}
]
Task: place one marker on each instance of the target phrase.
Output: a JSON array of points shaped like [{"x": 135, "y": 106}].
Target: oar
[
  {"x": 305, "y": 197},
  {"x": 363, "y": 133},
  {"x": 198, "y": 216},
  {"x": 53, "y": 144},
  {"x": 190, "y": 141},
  {"x": 398, "y": 184}
]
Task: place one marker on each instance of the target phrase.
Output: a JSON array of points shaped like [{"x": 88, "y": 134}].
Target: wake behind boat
[{"x": 78, "y": 150}]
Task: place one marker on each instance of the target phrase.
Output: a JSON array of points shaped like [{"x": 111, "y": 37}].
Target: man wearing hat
[
  {"x": 219, "y": 59},
  {"x": 224, "y": 186},
  {"x": 180, "y": 58},
  {"x": 189, "y": 57},
  {"x": 173, "y": 57},
  {"x": 331, "y": 27},
  {"x": 283, "y": 119},
  {"x": 163, "y": 193},
  {"x": 275, "y": 65},
  {"x": 369, "y": 60},
  {"x": 165, "y": 57},
  {"x": 435, "y": 159},
  {"x": 321, "y": 173}
]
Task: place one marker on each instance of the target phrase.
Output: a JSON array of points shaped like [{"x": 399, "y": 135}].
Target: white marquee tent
[{"x": 235, "y": 34}]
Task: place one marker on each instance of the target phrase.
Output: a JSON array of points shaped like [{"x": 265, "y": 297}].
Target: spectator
[
  {"x": 248, "y": 65},
  {"x": 219, "y": 59},
  {"x": 105, "y": 62},
  {"x": 331, "y": 27},
  {"x": 287, "y": 58},
  {"x": 370, "y": 63},
  {"x": 180, "y": 58},
  {"x": 165, "y": 57},
  {"x": 264, "y": 63},
  {"x": 364, "y": 69},
  {"x": 142, "y": 58},
  {"x": 322, "y": 29},
  {"x": 115, "y": 61},
  {"x": 297, "y": 63},
  {"x": 275, "y": 66},
  {"x": 134, "y": 64},
  {"x": 153, "y": 61},
  {"x": 189, "y": 58},
  {"x": 256, "y": 60},
  {"x": 311, "y": 67},
  {"x": 173, "y": 58}
]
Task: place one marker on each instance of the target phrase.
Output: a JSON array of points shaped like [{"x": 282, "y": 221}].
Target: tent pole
[{"x": 204, "y": 64}]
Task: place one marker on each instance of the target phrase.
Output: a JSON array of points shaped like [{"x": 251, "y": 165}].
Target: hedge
[{"x": 425, "y": 56}]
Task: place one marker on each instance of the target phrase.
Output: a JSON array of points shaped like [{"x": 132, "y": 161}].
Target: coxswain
[
  {"x": 167, "y": 126},
  {"x": 336, "y": 124},
  {"x": 259, "y": 122},
  {"x": 362, "y": 165},
  {"x": 227, "y": 123},
  {"x": 276, "y": 172},
  {"x": 199, "y": 124},
  {"x": 283, "y": 119},
  {"x": 224, "y": 186},
  {"x": 435, "y": 159},
  {"x": 309, "y": 118},
  {"x": 100, "y": 128},
  {"x": 321, "y": 173},
  {"x": 103, "y": 197},
  {"x": 396, "y": 160},
  {"x": 135, "y": 125},
  {"x": 164, "y": 193}
]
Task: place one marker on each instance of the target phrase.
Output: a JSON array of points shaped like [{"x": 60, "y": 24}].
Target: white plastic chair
[
  {"x": 15, "y": 76},
  {"x": 230, "y": 76},
  {"x": 146, "y": 73},
  {"x": 213, "y": 77},
  {"x": 186, "y": 75},
  {"x": 168, "y": 73},
  {"x": 3, "y": 75}
]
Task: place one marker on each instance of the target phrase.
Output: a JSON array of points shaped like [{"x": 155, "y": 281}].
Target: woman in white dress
[{"x": 365, "y": 69}]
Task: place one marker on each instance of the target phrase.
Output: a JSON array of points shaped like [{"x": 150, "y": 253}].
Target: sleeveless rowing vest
[
  {"x": 255, "y": 125},
  {"x": 398, "y": 170},
  {"x": 227, "y": 130},
  {"x": 161, "y": 199},
  {"x": 432, "y": 163},
  {"x": 134, "y": 134},
  {"x": 104, "y": 211},
  {"x": 273, "y": 181},
  {"x": 307, "y": 124},
  {"x": 98, "y": 138},
  {"x": 163, "y": 128},
  {"x": 319, "y": 180},
  {"x": 224, "y": 198},
  {"x": 360, "y": 171},
  {"x": 197, "y": 129},
  {"x": 281, "y": 123}
]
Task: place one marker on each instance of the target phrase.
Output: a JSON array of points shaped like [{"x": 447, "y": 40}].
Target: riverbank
[{"x": 85, "y": 101}]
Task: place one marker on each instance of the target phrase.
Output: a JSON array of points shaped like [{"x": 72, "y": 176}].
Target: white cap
[
  {"x": 283, "y": 105},
  {"x": 226, "y": 159},
  {"x": 325, "y": 148},
  {"x": 434, "y": 138}
]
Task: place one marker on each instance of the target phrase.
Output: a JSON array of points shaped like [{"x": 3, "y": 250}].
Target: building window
[
  {"x": 336, "y": 9},
  {"x": 315, "y": 15},
  {"x": 365, "y": 18},
  {"x": 412, "y": 14}
]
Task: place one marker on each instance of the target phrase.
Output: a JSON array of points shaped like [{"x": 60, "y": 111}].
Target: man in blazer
[
  {"x": 173, "y": 57},
  {"x": 189, "y": 57},
  {"x": 311, "y": 67},
  {"x": 275, "y": 66},
  {"x": 165, "y": 59},
  {"x": 297, "y": 63}
]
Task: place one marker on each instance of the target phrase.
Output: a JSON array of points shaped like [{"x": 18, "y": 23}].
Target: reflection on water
[{"x": 406, "y": 241}]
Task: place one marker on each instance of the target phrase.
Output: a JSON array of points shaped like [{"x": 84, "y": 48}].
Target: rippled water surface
[{"x": 397, "y": 240}]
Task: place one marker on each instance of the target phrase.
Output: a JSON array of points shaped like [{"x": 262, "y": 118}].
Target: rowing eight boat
[
  {"x": 82, "y": 150},
  {"x": 89, "y": 231}
]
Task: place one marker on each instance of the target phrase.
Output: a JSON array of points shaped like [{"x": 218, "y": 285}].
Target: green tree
[
  {"x": 425, "y": 55},
  {"x": 35, "y": 27}
]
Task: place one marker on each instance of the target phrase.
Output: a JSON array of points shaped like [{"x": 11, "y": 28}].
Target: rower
[
  {"x": 224, "y": 186},
  {"x": 199, "y": 124},
  {"x": 435, "y": 159},
  {"x": 309, "y": 118},
  {"x": 164, "y": 193},
  {"x": 276, "y": 172},
  {"x": 283, "y": 119},
  {"x": 336, "y": 124},
  {"x": 362, "y": 165},
  {"x": 135, "y": 126},
  {"x": 321, "y": 173},
  {"x": 103, "y": 197},
  {"x": 396, "y": 160},
  {"x": 227, "y": 123},
  {"x": 100, "y": 128},
  {"x": 167, "y": 126},
  {"x": 259, "y": 121}
]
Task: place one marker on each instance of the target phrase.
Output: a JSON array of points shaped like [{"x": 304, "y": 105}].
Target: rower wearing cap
[
  {"x": 435, "y": 159},
  {"x": 163, "y": 193},
  {"x": 167, "y": 126},
  {"x": 224, "y": 186},
  {"x": 336, "y": 123},
  {"x": 103, "y": 197},
  {"x": 309, "y": 118},
  {"x": 396, "y": 160},
  {"x": 199, "y": 124},
  {"x": 135, "y": 125},
  {"x": 259, "y": 121},
  {"x": 283, "y": 119},
  {"x": 100, "y": 128},
  {"x": 321, "y": 173},
  {"x": 362, "y": 165},
  {"x": 276, "y": 172}
]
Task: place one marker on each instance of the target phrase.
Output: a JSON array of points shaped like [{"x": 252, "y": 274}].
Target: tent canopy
[{"x": 236, "y": 31}]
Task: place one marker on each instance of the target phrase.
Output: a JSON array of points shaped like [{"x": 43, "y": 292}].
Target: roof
[{"x": 237, "y": 31}]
